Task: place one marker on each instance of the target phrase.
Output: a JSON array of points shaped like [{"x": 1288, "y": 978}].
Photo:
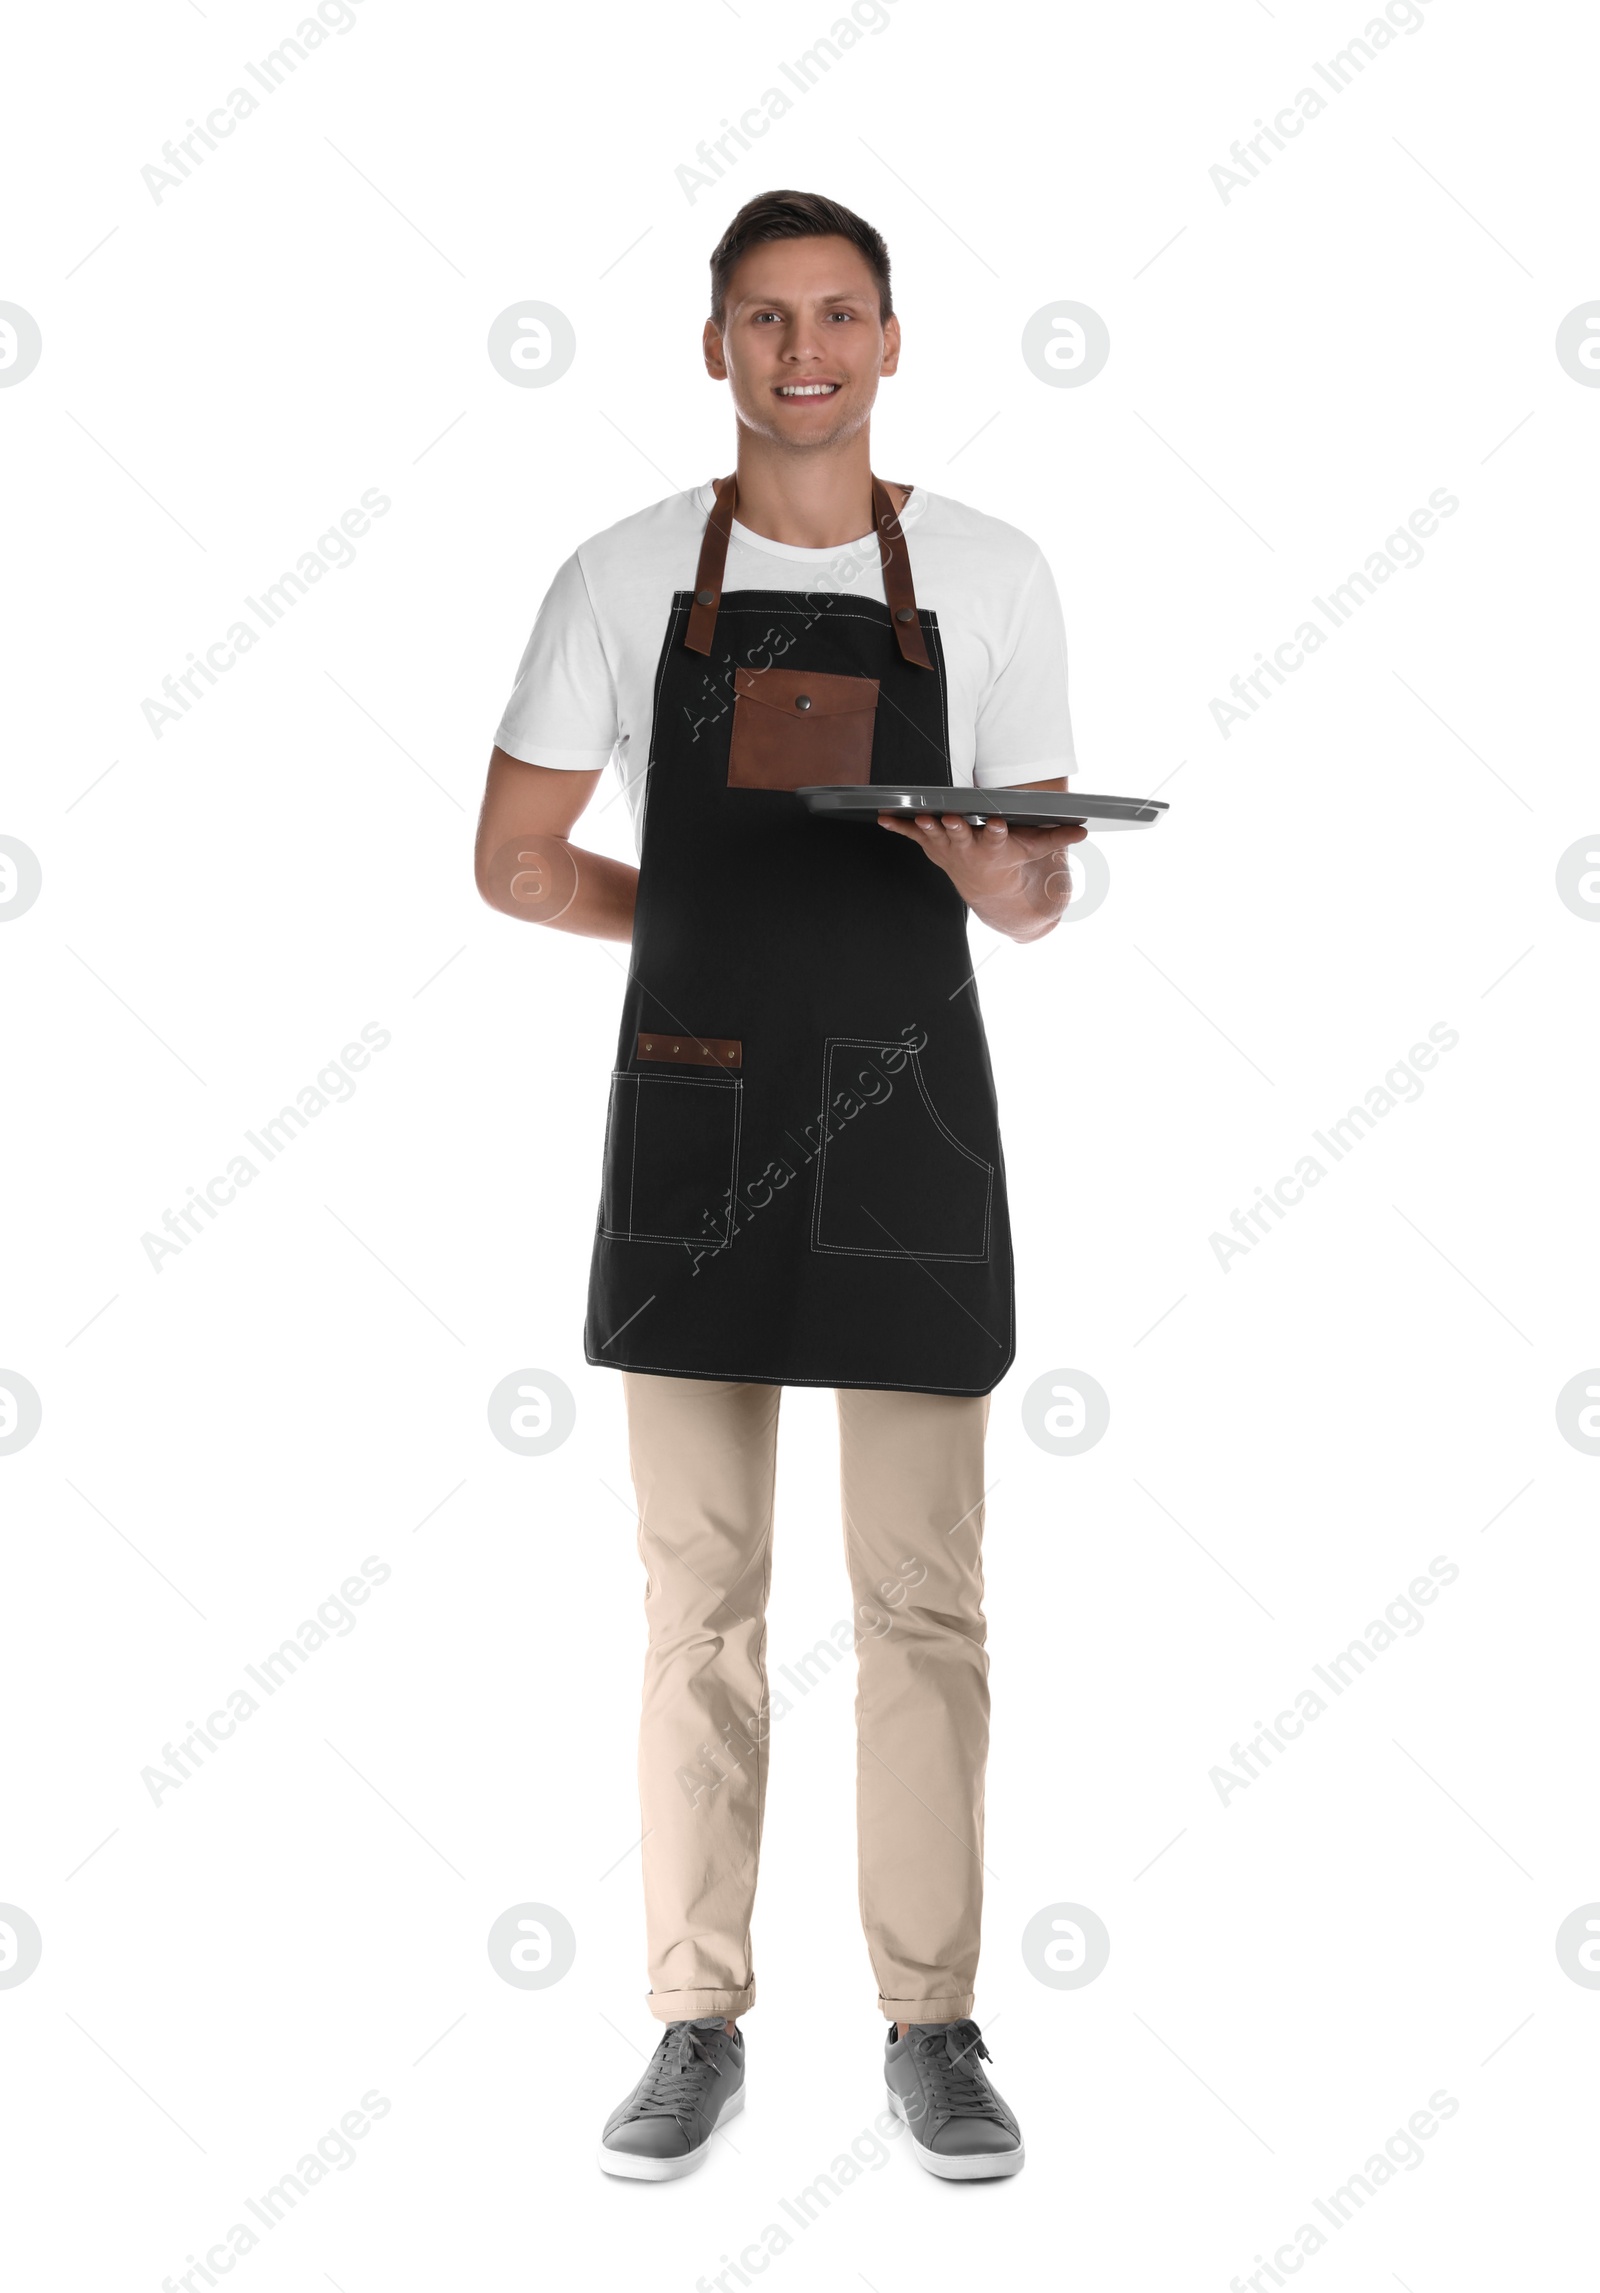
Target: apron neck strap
[
  {"x": 895, "y": 559},
  {"x": 708, "y": 573}
]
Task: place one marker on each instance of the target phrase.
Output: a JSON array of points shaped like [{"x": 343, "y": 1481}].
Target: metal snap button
[
  {"x": 705, "y": 597},
  {"x": 903, "y": 614},
  {"x": 802, "y": 700}
]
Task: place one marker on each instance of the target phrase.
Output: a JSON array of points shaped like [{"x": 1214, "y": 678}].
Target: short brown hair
[{"x": 795, "y": 215}]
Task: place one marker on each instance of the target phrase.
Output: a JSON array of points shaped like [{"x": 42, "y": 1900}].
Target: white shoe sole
[
  {"x": 980, "y": 2166},
  {"x": 635, "y": 2169}
]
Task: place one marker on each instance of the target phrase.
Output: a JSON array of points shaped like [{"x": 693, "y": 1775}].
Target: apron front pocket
[
  {"x": 671, "y": 1158},
  {"x": 892, "y": 1179},
  {"x": 798, "y": 728}
]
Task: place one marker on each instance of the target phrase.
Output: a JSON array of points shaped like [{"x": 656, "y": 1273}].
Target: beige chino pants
[{"x": 911, "y": 1469}]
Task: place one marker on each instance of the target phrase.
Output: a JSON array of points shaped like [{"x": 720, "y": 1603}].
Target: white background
[{"x": 1291, "y": 1440}]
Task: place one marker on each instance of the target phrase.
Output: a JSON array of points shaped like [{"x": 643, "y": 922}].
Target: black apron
[{"x": 802, "y": 1182}]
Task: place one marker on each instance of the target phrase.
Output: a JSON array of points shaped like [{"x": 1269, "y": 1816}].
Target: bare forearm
[
  {"x": 1027, "y": 905},
  {"x": 547, "y": 880}
]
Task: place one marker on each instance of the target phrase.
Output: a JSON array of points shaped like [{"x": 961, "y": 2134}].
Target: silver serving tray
[{"x": 1026, "y": 807}]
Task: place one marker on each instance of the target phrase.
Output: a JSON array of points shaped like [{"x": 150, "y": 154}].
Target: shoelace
[
  {"x": 675, "y": 2078},
  {"x": 950, "y": 2058}
]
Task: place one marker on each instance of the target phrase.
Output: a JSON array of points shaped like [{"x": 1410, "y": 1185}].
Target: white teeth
[{"x": 806, "y": 389}]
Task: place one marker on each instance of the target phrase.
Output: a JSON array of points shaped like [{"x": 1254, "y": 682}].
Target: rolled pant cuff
[
  {"x": 953, "y": 2008},
  {"x": 690, "y": 2005}
]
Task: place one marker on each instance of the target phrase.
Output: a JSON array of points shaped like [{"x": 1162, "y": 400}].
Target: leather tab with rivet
[{"x": 692, "y": 1050}]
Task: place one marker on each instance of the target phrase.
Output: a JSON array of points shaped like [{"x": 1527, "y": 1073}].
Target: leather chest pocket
[
  {"x": 671, "y": 1159},
  {"x": 795, "y": 728}
]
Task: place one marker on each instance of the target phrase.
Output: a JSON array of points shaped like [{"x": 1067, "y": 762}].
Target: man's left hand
[{"x": 1014, "y": 879}]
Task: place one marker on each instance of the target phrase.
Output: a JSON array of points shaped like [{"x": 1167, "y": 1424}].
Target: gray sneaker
[
  {"x": 694, "y": 2083},
  {"x": 960, "y": 2128}
]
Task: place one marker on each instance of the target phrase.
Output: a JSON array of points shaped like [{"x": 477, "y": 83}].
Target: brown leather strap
[
  {"x": 899, "y": 592},
  {"x": 708, "y": 574}
]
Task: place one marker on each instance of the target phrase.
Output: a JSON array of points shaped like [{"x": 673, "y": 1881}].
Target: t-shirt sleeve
[
  {"x": 1024, "y": 731},
  {"x": 563, "y": 706}
]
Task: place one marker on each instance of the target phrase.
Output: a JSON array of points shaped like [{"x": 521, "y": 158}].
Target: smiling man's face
[{"x": 802, "y": 345}]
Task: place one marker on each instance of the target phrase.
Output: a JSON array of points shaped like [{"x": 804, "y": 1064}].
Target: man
[{"x": 803, "y": 1181}]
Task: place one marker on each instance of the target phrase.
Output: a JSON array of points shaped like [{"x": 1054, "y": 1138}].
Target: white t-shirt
[{"x": 584, "y": 689}]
